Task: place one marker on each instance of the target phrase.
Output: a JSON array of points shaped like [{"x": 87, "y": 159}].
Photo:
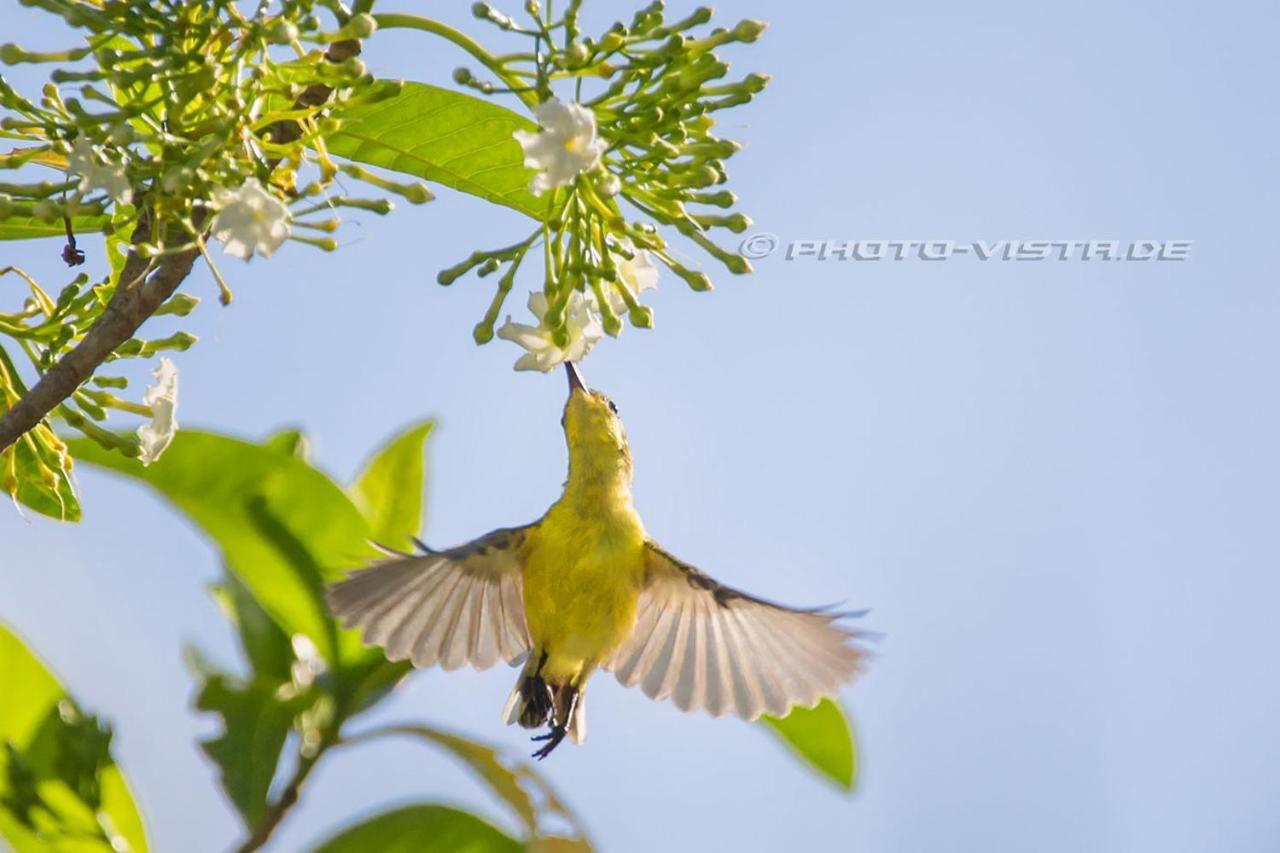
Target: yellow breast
[{"x": 582, "y": 576}]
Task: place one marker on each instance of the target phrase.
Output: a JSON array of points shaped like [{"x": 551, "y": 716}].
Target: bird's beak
[{"x": 575, "y": 378}]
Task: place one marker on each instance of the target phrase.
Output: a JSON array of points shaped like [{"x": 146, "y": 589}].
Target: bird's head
[{"x": 597, "y": 441}]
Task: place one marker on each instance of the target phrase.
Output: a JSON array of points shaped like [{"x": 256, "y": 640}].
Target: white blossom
[
  {"x": 638, "y": 273},
  {"x": 566, "y": 146},
  {"x": 97, "y": 173},
  {"x": 542, "y": 351},
  {"x": 250, "y": 220},
  {"x": 162, "y": 399}
]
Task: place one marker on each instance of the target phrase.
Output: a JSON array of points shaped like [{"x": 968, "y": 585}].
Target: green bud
[
  {"x": 576, "y": 55},
  {"x": 755, "y": 83},
  {"x": 354, "y": 67},
  {"x": 641, "y": 316},
  {"x": 417, "y": 193},
  {"x": 362, "y": 26},
  {"x": 282, "y": 32},
  {"x": 11, "y": 54},
  {"x": 179, "y": 305},
  {"x": 47, "y": 211},
  {"x": 489, "y": 267},
  {"x": 483, "y": 332},
  {"x": 696, "y": 279},
  {"x": 749, "y": 30},
  {"x": 722, "y": 198},
  {"x": 462, "y": 76}
]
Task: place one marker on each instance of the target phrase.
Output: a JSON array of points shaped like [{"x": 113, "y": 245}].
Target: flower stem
[{"x": 391, "y": 20}]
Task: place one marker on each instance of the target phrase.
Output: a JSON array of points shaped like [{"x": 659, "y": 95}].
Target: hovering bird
[{"x": 584, "y": 587}]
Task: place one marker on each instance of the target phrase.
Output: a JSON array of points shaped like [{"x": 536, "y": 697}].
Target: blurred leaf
[
  {"x": 57, "y": 499},
  {"x": 256, "y": 723},
  {"x": 260, "y": 506},
  {"x": 557, "y": 844},
  {"x": 821, "y": 737},
  {"x": 367, "y": 681},
  {"x": 389, "y": 490},
  {"x": 29, "y": 228},
  {"x": 485, "y": 763},
  {"x": 291, "y": 442},
  {"x": 422, "y": 828},
  {"x": 517, "y": 784},
  {"x": 443, "y": 136},
  {"x": 266, "y": 647},
  {"x": 59, "y": 787}
]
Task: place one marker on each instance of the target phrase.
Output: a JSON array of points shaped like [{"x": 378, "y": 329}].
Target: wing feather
[
  {"x": 455, "y": 607},
  {"x": 706, "y": 645}
]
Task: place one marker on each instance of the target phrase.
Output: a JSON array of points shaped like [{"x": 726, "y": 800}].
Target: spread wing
[
  {"x": 460, "y": 606},
  {"x": 706, "y": 645}
]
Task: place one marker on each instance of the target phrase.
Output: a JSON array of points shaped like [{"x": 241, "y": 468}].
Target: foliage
[
  {"x": 822, "y": 738},
  {"x": 60, "y": 789},
  {"x": 283, "y": 528},
  {"x": 128, "y": 139},
  {"x": 166, "y": 126}
]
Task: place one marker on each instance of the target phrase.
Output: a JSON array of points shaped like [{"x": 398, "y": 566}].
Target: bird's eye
[{"x": 613, "y": 407}]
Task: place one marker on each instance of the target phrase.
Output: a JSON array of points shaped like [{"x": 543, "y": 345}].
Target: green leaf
[
  {"x": 266, "y": 647},
  {"x": 821, "y": 737},
  {"x": 256, "y": 723},
  {"x": 443, "y": 136},
  {"x": 514, "y": 783},
  {"x": 59, "y": 787},
  {"x": 422, "y": 828},
  {"x": 30, "y": 228},
  {"x": 283, "y": 527},
  {"x": 389, "y": 490}
]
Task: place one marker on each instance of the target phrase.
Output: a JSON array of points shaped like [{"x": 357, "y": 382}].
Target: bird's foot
[{"x": 552, "y": 739}]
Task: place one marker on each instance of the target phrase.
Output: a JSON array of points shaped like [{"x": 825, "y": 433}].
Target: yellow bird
[{"x": 585, "y": 587}]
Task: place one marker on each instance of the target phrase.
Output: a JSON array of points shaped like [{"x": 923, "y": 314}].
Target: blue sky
[{"x": 1053, "y": 483}]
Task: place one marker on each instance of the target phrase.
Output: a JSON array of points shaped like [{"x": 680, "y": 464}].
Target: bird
[{"x": 585, "y": 588}]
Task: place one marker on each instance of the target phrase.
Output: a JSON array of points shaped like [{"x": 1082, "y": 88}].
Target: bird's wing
[
  {"x": 706, "y": 645},
  {"x": 460, "y": 606}
]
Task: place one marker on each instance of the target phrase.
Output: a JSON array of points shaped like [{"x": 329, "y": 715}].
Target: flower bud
[
  {"x": 282, "y": 32},
  {"x": 641, "y": 316},
  {"x": 749, "y": 30},
  {"x": 362, "y": 26}
]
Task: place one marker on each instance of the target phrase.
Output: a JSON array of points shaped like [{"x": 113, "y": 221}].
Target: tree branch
[
  {"x": 288, "y": 799},
  {"x": 140, "y": 292},
  {"x": 142, "y": 289}
]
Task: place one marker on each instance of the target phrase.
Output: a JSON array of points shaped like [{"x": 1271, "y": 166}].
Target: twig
[{"x": 288, "y": 799}]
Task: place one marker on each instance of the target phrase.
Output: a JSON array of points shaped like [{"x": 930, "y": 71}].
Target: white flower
[
  {"x": 249, "y": 220},
  {"x": 543, "y": 353},
  {"x": 162, "y": 399},
  {"x": 96, "y": 173},
  {"x": 639, "y": 273},
  {"x": 566, "y": 147}
]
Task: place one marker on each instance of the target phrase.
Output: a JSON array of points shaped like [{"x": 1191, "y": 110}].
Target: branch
[
  {"x": 288, "y": 799},
  {"x": 141, "y": 291},
  {"x": 143, "y": 288}
]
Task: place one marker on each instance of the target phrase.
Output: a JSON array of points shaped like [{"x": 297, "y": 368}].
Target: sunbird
[{"x": 584, "y": 587}]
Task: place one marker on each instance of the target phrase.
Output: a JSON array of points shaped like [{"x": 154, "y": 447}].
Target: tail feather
[
  {"x": 531, "y": 700},
  {"x": 534, "y": 703}
]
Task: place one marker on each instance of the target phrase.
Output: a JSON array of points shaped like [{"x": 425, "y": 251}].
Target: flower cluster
[
  {"x": 172, "y": 125},
  {"x": 631, "y": 153}
]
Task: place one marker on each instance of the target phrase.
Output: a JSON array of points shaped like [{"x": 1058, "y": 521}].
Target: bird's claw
[{"x": 552, "y": 739}]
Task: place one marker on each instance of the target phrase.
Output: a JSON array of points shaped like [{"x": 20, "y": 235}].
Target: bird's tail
[{"x": 534, "y": 703}]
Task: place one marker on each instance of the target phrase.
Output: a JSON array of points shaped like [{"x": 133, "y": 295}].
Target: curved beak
[{"x": 575, "y": 378}]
